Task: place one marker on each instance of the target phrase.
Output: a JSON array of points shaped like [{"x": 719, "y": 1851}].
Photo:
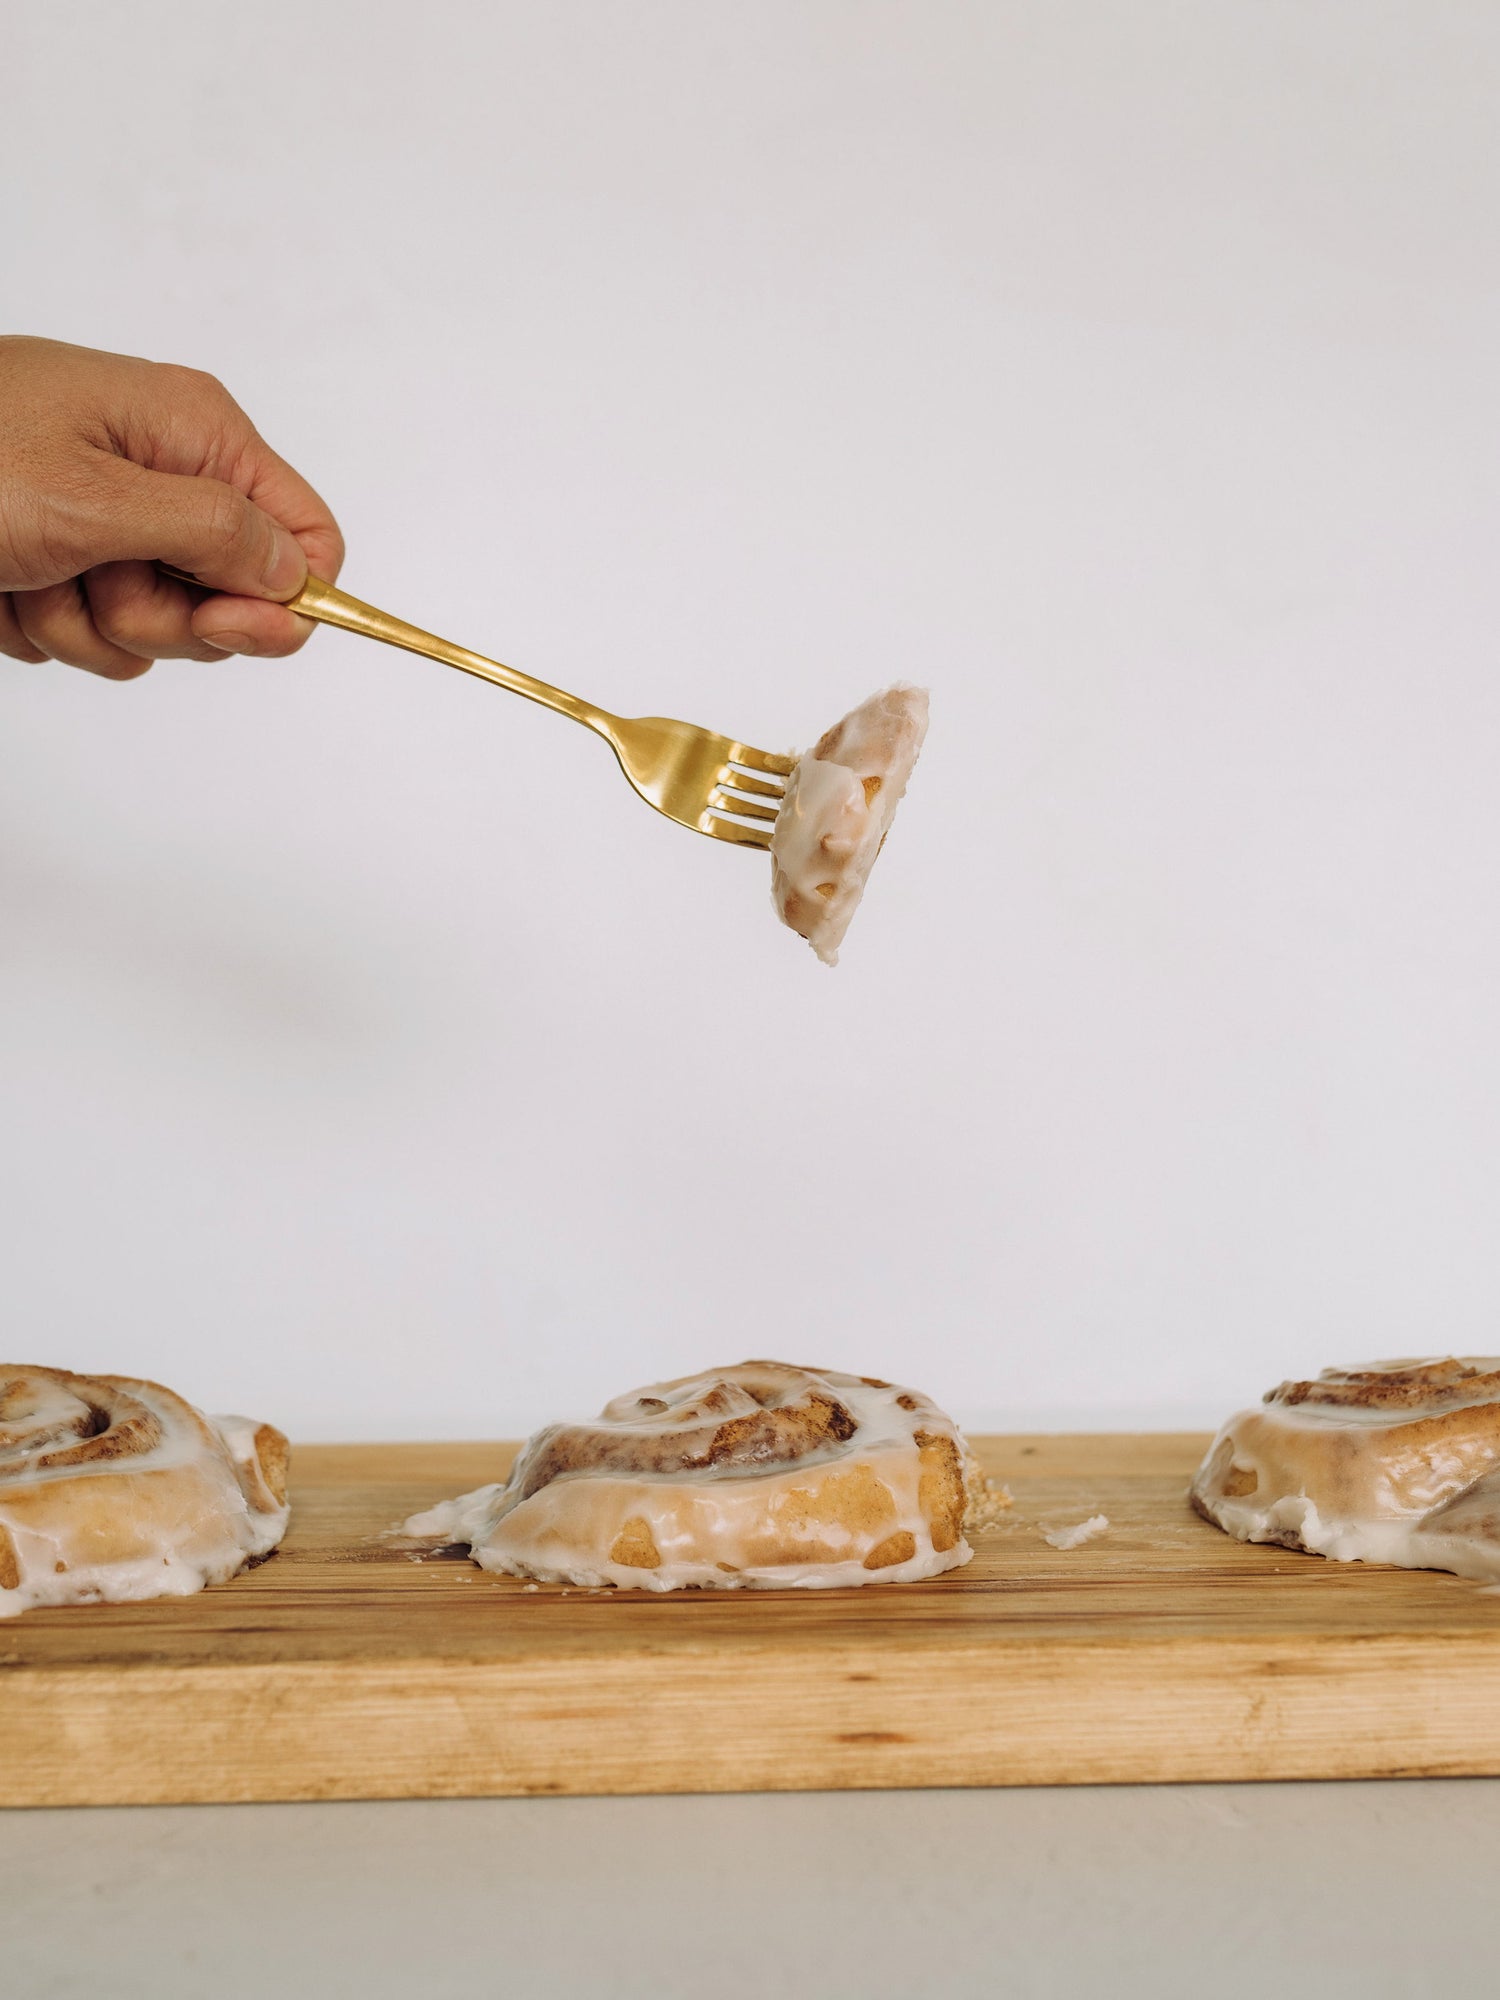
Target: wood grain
[{"x": 345, "y": 1667}]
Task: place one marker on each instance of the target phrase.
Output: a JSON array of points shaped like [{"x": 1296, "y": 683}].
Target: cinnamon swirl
[
  {"x": 1395, "y": 1462},
  {"x": 113, "y": 1489},
  {"x": 761, "y": 1475},
  {"x": 837, "y": 812}
]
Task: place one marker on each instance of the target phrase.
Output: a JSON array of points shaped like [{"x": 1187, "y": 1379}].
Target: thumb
[{"x": 209, "y": 529}]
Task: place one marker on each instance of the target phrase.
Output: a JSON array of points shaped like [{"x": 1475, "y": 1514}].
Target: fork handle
[{"x": 329, "y": 606}]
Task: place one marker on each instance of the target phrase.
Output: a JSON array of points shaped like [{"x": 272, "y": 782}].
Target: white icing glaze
[
  {"x": 885, "y": 1482},
  {"x": 838, "y": 809},
  {"x": 1393, "y": 1462},
  {"x": 113, "y": 1490}
]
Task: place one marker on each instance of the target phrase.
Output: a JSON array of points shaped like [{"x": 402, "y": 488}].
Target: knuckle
[
  {"x": 14, "y": 643},
  {"x": 117, "y": 626},
  {"x": 272, "y": 643},
  {"x": 226, "y": 517},
  {"x": 47, "y": 615},
  {"x": 111, "y": 625},
  {"x": 195, "y": 382}
]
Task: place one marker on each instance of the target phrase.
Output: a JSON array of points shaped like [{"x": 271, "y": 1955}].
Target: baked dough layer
[
  {"x": 112, "y": 1489},
  {"x": 1393, "y": 1462},
  {"x": 838, "y": 809},
  {"x": 761, "y": 1475}
]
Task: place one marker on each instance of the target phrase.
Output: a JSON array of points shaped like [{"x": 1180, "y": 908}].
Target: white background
[{"x": 372, "y": 1061}]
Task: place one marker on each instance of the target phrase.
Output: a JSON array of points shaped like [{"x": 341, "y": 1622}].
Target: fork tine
[
  {"x": 746, "y": 781},
  {"x": 745, "y": 808},
  {"x": 761, "y": 760},
  {"x": 728, "y": 829}
]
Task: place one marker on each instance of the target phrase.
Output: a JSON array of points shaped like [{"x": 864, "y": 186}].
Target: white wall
[{"x": 371, "y": 1060}]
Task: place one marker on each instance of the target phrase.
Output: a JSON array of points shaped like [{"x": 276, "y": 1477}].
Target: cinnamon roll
[
  {"x": 1395, "y": 1462},
  {"x": 837, "y": 812},
  {"x": 761, "y": 1475},
  {"x": 113, "y": 1489}
]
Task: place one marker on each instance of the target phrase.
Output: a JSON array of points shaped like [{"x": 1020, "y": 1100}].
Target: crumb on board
[
  {"x": 1075, "y": 1536},
  {"x": 985, "y": 1499}
]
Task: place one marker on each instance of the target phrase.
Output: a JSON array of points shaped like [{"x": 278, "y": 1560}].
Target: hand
[{"x": 108, "y": 464}]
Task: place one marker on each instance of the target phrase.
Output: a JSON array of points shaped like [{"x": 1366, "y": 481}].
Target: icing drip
[
  {"x": 1397, "y": 1462},
  {"x": 756, "y": 1476},
  {"x": 113, "y": 1490}
]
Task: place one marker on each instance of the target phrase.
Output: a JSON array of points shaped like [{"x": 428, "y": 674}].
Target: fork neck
[{"x": 336, "y": 607}]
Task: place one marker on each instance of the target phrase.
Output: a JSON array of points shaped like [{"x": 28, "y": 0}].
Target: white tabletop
[{"x": 1381, "y": 1889}]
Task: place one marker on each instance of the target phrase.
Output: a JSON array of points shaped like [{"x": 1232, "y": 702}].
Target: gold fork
[{"x": 728, "y": 790}]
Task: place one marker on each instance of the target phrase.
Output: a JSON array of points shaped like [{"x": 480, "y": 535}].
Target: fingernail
[
  {"x": 286, "y": 572},
  {"x": 231, "y": 642}
]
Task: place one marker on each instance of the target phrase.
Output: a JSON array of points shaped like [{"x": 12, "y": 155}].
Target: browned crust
[
  {"x": 797, "y": 915},
  {"x": 10, "y": 1567},
  {"x": 634, "y": 1546},
  {"x": 273, "y": 1455},
  {"x": 897, "y": 1548},
  {"x": 940, "y": 1489},
  {"x": 827, "y": 746}
]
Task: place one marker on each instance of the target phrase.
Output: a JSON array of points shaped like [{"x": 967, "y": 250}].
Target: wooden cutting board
[{"x": 345, "y": 1667}]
